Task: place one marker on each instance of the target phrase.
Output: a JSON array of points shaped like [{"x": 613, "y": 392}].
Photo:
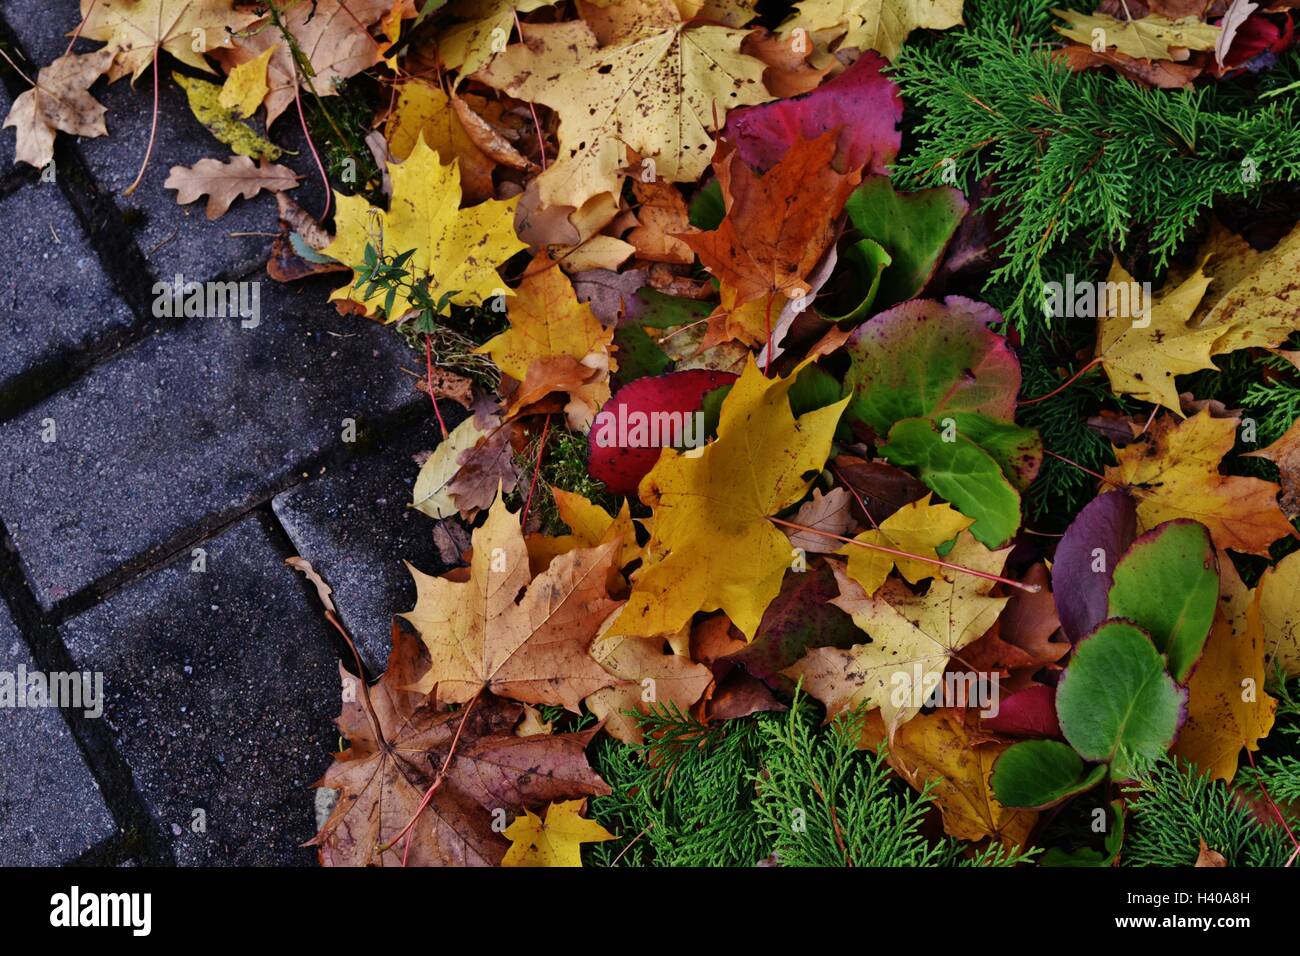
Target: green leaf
[
  {"x": 707, "y": 208},
  {"x": 1115, "y": 701},
  {"x": 1087, "y": 856},
  {"x": 638, "y": 355},
  {"x": 1017, "y": 450},
  {"x": 1168, "y": 584},
  {"x": 852, "y": 288},
  {"x": 1041, "y": 773},
  {"x": 668, "y": 311},
  {"x": 914, "y": 228},
  {"x": 960, "y": 471}
]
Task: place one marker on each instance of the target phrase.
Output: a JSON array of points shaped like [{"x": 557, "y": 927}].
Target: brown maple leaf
[
  {"x": 526, "y": 640},
  {"x": 399, "y": 746},
  {"x": 59, "y": 101}
]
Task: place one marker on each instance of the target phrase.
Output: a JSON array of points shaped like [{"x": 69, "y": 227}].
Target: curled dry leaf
[{"x": 59, "y": 101}]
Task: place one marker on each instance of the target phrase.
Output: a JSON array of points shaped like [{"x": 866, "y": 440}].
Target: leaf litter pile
[{"x": 758, "y": 548}]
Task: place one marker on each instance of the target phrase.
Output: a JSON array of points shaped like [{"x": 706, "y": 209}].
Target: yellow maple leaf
[
  {"x": 1151, "y": 37},
  {"x": 712, "y": 546},
  {"x": 918, "y": 528},
  {"x": 913, "y": 637},
  {"x": 589, "y": 525},
  {"x": 424, "y": 109},
  {"x": 555, "y": 842},
  {"x": 880, "y": 25},
  {"x": 458, "y": 250},
  {"x": 1174, "y": 473},
  {"x": 138, "y": 29},
  {"x": 246, "y": 86},
  {"x": 503, "y": 630},
  {"x": 1279, "y": 613},
  {"x": 660, "y": 94},
  {"x": 1227, "y": 708},
  {"x": 548, "y": 325}
]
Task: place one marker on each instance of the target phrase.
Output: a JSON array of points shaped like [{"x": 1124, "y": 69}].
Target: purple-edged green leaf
[
  {"x": 862, "y": 103},
  {"x": 928, "y": 359},
  {"x": 1116, "y": 702},
  {"x": 800, "y": 618},
  {"x": 1038, "y": 774},
  {"x": 1085, "y": 561},
  {"x": 708, "y": 208},
  {"x": 638, "y": 356},
  {"x": 1168, "y": 585},
  {"x": 914, "y": 228},
  {"x": 960, "y": 471}
]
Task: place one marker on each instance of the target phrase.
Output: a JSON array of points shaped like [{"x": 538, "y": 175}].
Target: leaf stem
[{"x": 1031, "y": 588}]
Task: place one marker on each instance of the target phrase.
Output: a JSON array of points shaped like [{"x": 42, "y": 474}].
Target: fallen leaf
[
  {"x": 715, "y": 501},
  {"x": 526, "y": 640},
  {"x": 648, "y": 676},
  {"x": 422, "y": 109},
  {"x": 223, "y": 183},
  {"x": 1174, "y": 473},
  {"x": 830, "y": 513},
  {"x": 245, "y": 87},
  {"x": 777, "y": 228},
  {"x": 1208, "y": 857},
  {"x": 1275, "y": 598},
  {"x": 59, "y": 101},
  {"x": 1151, "y": 37},
  {"x": 398, "y": 742},
  {"x": 661, "y": 95},
  {"x": 1227, "y": 708},
  {"x": 458, "y": 250},
  {"x": 204, "y": 99},
  {"x": 467, "y": 47},
  {"x": 880, "y": 25},
  {"x": 138, "y": 30},
  {"x": 913, "y": 638},
  {"x": 941, "y": 749},
  {"x": 556, "y": 842},
  {"x": 918, "y": 528}
]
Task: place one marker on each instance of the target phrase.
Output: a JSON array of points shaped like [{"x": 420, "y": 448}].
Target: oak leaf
[
  {"x": 59, "y": 101},
  {"x": 711, "y": 545},
  {"x": 1174, "y": 473},
  {"x": 457, "y": 250},
  {"x": 660, "y": 94},
  {"x": 223, "y": 183},
  {"x": 519, "y": 637}
]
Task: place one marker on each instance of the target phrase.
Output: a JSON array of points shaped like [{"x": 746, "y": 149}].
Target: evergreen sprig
[{"x": 1084, "y": 165}]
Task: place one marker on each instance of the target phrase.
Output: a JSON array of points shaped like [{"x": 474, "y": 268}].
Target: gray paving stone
[
  {"x": 51, "y": 810},
  {"x": 54, "y": 296},
  {"x": 220, "y": 689},
  {"x": 355, "y": 526},
  {"x": 42, "y": 27},
  {"x": 7, "y": 136},
  {"x": 174, "y": 238},
  {"x": 188, "y": 427}
]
